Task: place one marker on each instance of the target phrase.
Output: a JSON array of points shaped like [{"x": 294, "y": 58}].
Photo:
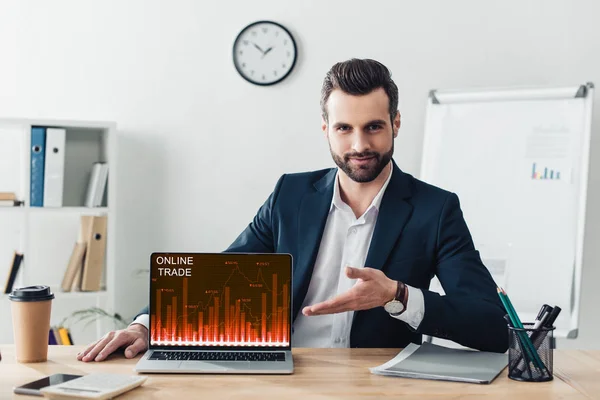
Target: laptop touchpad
[
  {"x": 201, "y": 366},
  {"x": 161, "y": 365}
]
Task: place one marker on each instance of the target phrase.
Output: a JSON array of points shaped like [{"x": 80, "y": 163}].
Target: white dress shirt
[{"x": 346, "y": 240}]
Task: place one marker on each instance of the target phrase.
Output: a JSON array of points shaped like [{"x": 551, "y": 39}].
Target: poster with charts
[{"x": 549, "y": 154}]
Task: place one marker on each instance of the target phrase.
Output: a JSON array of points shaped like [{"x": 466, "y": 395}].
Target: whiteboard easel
[{"x": 518, "y": 161}]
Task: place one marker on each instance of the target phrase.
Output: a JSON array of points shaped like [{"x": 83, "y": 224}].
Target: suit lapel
[
  {"x": 394, "y": 212},
  {"x": 312, "y": 217}
]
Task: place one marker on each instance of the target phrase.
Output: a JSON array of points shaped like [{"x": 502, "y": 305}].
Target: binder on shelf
[
  {"x": 76, "y": 284},
  {"x": 54, "y": 169},
  {"x": 84, "y": 231},
  {"x": 96, "y": 185},
  {"x": 38, "y": 152},
  {"x": 12, "y": 273},
  {"x": 85, "y": 225},
  {"x": 75, "y": 265},
  {"x": 95, "y": 252}
]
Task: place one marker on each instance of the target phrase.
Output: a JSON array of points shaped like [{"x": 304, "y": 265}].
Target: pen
[
  {"x": 545, "y": 308},
  {"x": 552, "y": 317},
  {"x": 544, "y": 312},
  {"x": 538, "y": 337}
]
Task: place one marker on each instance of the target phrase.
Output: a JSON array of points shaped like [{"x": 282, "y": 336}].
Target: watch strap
[{"x": 402, "y": 294}]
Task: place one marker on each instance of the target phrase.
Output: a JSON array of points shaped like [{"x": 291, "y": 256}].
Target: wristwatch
[{"x": 397, "y": 305}]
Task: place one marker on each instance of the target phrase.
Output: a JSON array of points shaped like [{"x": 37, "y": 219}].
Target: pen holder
[{"x": 530, "y": 360}]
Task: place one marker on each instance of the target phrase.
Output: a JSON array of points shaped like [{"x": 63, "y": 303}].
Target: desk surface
[{"x": 319, "y": 374}]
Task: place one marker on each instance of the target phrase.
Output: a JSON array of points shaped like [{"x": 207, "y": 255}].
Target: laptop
[{"x": 219, "y": 313}]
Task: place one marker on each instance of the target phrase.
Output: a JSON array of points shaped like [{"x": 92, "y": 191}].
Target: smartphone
[{"x": 33, "y": 388}]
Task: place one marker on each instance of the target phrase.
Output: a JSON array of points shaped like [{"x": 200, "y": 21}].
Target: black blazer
[{"x": 420, "y": 232}]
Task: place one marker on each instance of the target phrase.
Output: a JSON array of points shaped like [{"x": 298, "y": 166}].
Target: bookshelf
[{"x": 46, "y": 235}]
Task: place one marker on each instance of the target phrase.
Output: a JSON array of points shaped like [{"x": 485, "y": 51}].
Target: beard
[{"x": 366, "y": 172}]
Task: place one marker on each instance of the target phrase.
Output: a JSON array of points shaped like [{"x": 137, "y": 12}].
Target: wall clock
[{"x": 264, "y": 53}]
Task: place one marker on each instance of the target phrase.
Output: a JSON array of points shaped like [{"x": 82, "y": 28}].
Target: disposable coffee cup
[{"x": 30, "y": 308}]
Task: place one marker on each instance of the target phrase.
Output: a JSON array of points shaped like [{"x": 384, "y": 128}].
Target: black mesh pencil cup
[{"x": 530, "y": 353}]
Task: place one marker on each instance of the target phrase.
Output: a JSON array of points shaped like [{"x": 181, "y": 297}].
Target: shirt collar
[{"x": 336, "y": 200}]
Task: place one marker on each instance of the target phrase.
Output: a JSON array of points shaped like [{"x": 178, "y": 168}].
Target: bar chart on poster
[
  {"x": 216, "y": 301},
  {"x": 518, "y": 161}
]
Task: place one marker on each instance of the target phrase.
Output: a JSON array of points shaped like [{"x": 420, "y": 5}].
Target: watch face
[
  {"x": 264, "y": 53},
  {"x": 394, "y": 307}
]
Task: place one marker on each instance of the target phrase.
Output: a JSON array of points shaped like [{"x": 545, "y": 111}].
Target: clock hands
[
  {"x": 258, "y": 47},
  {"x": 266, "y": 51},
  {"x": 263, "y": 52}
]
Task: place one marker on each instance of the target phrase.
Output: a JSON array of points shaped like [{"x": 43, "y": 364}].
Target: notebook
[{"x": 429, "y": 361}]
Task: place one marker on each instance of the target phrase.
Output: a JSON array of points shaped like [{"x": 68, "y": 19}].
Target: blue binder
[{"x": 38, "y": 153}]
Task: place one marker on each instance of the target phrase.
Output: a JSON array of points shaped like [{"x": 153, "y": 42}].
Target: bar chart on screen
[{"x": 221, "y": 303}]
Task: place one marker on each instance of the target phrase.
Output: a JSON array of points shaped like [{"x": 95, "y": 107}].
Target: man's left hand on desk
[{"x": 372, "y": 289}]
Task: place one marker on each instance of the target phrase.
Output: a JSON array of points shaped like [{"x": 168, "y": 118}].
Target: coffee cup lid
[{"x": 31, "y": 293}]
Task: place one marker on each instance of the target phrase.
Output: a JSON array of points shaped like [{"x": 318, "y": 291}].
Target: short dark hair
[{"x": 357, "y": 77}]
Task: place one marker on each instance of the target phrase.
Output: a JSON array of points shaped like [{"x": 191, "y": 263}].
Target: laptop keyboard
[{"x": 217, "y": 356}]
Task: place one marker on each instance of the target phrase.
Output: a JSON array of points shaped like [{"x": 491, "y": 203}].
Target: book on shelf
[
  {"x": 8, "y": 196},
  {"x": 86, "y": 264},
  {"x": 97, "y": 185},
  {"x": 59, "y": 335},
  {"x": 56, "y": 334},
  {"x": 51, "y": 337},
  {"x": 64, "y": 337},
  {"x": 12, "y": 272}
]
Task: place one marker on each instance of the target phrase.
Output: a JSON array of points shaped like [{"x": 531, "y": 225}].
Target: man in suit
[{"x": 366, "y": 239}]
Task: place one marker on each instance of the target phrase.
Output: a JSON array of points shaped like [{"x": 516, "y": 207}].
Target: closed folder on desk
[
  {"x": 38, "y": 152},
  {"x": 430, "y": 361},
  {"x": 95, "y": 252}
]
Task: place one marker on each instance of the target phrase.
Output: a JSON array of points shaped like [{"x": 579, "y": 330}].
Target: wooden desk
[{"x": 319, "y": 374}]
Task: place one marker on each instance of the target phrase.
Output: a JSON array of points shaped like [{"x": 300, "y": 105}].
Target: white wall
[{"x": 200, "y": 148}]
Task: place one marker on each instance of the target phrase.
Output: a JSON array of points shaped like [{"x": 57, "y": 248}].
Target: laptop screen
[{"x": 220, "y": 300}]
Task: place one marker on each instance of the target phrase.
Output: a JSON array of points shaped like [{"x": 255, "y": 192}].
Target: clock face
[{"x": 264, "y": 53}]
